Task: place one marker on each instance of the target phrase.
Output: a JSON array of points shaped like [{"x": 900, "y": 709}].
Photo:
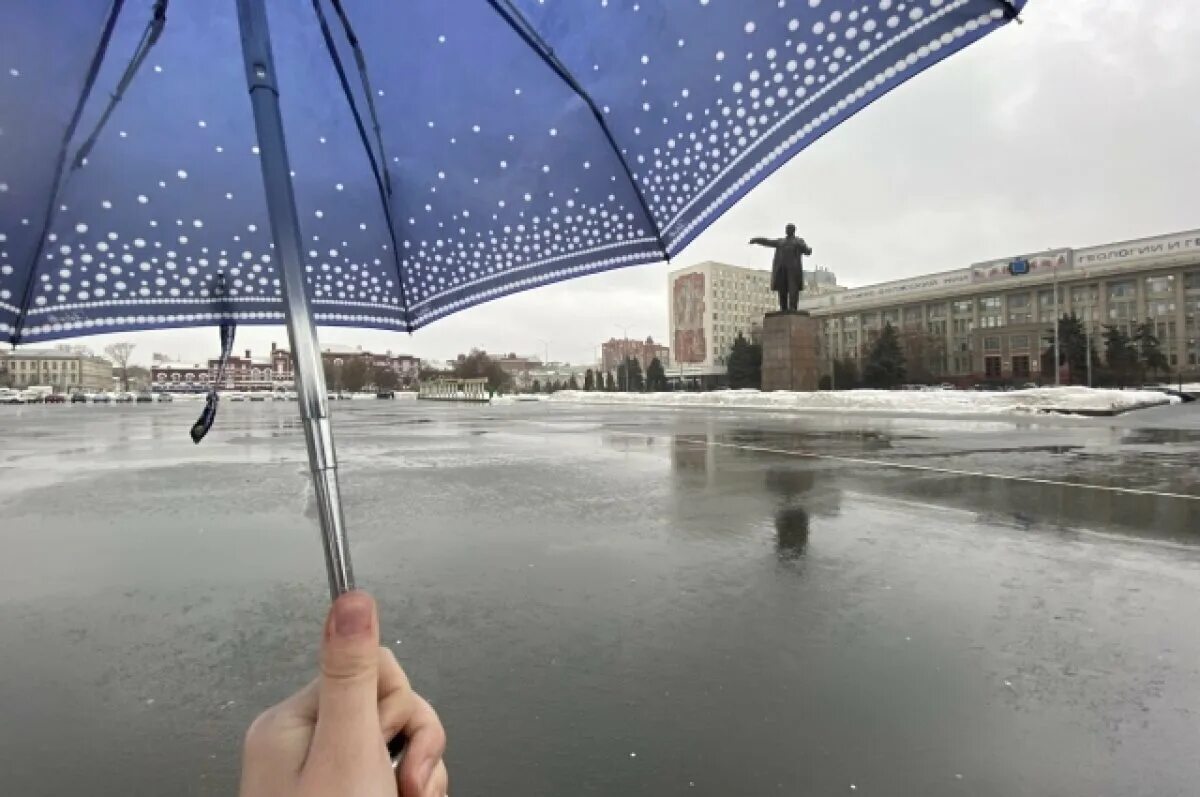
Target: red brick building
[{"x": 614, "y": 351}]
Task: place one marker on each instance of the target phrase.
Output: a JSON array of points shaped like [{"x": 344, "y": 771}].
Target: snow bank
[{"x": 924, "y": 402}]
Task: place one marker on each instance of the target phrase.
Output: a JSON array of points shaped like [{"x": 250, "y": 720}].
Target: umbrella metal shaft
[{"x": 285, "y": 229}]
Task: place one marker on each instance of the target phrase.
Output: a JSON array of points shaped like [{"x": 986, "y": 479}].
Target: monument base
[{"x": 790, "y": 355}]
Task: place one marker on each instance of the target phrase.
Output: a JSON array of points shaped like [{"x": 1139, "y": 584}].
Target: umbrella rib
[
  {"x": 150, "y": 36},
  {"x": 382, "y": 181},
  {"x": 361, "y": 62},
  {"x": 522, "y": 28},
  {"x": 55, "y": 187}
]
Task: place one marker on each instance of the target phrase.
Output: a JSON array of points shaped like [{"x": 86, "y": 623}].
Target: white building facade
[
  {"x": 711, "y": 303},
  {"x": 993, "y": 319}
]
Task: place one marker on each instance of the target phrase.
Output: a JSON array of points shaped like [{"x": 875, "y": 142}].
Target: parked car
[
  {"x": 102, "y": 397},
  {"x": 259, "y": 396},
  {"x": 11, "y": 397},
  {"x": 145, "y": 397},
  {"x": 79, "y": 398},
  {"x": 55, "y": 398},
  {"x": 236, "y": 396},
  {"x": 165, "y": 397},
  {"x": 33, "y": 396},
  {"x": 385, "y": 394},
  {"x": 124, "y": 398}
]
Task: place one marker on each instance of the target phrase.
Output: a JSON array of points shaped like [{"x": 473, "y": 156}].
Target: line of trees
[
  {"x": 1130, "y": 356},
  {"x": 628, "y": 378},
  {"x": 355, "y": 374},
  {"x": 1118, "y": 357}
]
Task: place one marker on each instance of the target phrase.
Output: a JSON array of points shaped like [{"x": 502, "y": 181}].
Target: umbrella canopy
[
  {"x": 438, "y": 153},
  {"x": 518, "y": 143}
]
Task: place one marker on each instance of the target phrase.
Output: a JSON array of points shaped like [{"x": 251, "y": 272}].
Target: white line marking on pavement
[{"x": 881, "y": 463}]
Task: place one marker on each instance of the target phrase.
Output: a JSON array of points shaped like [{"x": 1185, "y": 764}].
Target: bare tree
[
  {"x": 924, "y": 354},
  {"x": 354, "y": 374},
  {"x": 385, "y": 379},
  {"x": 119, "y": 353}
]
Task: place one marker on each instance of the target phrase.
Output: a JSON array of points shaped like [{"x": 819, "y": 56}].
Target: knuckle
[
  {"x": 348, "y": 666},
  {"x": 259, "y": 734}
]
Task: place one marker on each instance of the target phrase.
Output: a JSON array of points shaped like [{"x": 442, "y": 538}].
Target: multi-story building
[
  {"x": 712, "y": 303},
  {"x": 993, "y": 320},
  {"x": 274, "y": 372},
  {"x": 62, "y": 369},
  {"x": 242, "y": 373},
  {"x": 521, "y": 369},
  {"x": 614, "y": 351}
]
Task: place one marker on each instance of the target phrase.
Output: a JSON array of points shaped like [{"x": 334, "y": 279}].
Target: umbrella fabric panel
[
  {"x": 504, "y": 178},
  {"x": 707, "y": 98},
  {"x": 171, "y": 195},
  {"x": 43, "y": 64}
]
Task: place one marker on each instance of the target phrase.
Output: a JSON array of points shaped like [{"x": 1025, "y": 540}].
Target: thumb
[{"x": 348, "y": 702}]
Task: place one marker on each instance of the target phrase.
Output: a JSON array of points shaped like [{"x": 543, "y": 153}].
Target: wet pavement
[{"x": 618, "y": 601}]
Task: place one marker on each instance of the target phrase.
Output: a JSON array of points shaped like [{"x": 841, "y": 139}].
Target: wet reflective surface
[{"x": 605, "y": 601}]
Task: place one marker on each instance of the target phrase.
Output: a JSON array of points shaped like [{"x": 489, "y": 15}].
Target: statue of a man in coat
[{"x": 787, "y": 269}]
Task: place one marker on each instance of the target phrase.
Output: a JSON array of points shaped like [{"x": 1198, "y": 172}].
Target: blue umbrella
[{"x": 439, "y": 153}]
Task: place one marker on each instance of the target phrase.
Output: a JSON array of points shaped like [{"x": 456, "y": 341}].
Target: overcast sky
[{"x": 1079, "y": 127}]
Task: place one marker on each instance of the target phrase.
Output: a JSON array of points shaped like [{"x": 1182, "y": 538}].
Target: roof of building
[
  {"x": 49, "y": 354},
  {"x": 178, "y": 367}
]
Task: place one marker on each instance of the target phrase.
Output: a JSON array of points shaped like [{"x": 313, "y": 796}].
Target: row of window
[
  {"x": 45, "y": 365},
  {"x": 1018, "y": 308},
  {"x": 1015, "y": 343}
]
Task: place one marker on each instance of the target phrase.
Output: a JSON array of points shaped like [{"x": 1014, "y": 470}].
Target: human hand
[{"x": 330, "y": 738}]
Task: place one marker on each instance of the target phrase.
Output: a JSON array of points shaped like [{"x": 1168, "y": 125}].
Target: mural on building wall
[{"x": 687, "y": 295}]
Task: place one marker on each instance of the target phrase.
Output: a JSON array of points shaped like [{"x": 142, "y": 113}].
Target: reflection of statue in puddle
[
  {"x": 791, "y": 532},
  {"x": 791, "y": 482},
  {"x": 791, "y": 520}
]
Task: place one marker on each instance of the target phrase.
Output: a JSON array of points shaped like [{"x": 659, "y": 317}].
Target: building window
[
  {"x": 1018, "y": 300},
  {"x": 1085, "y": 294},
  {"x": 1160, "y": 284},
  {"x": 1019, "y": 342},
  {"x": 1160, "y": 308},
  {"x": 1191, "y": 281},
  {"x": 1020, "y": 366},
  {"x": 987, "y": 303},
  {"x": 1125, "y": 289},
  {"x": 962, "y": 307},
  {"x": 991, "y": 367},
  {"x": 991, "y": 343},
  {"x": 1122, "y": 311}
]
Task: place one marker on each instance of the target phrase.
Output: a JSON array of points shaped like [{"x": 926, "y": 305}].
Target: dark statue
[{"x": 787, "y": 269}]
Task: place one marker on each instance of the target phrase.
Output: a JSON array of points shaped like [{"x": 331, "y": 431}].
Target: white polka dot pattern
[{"x": 505, "y": 176}]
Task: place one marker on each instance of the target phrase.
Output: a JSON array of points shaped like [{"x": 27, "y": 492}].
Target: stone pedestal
[{"x": 790, "y": 356}]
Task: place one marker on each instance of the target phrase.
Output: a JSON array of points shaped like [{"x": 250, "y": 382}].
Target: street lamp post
[
  {"x": 1088, "y": 332},
  {"x": 1057, "y": 361}
]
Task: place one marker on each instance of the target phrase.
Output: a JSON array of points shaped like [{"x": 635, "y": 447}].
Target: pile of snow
[
  {"x": 1186, "y": 387},
  {"x": 932, "y": 402}
]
